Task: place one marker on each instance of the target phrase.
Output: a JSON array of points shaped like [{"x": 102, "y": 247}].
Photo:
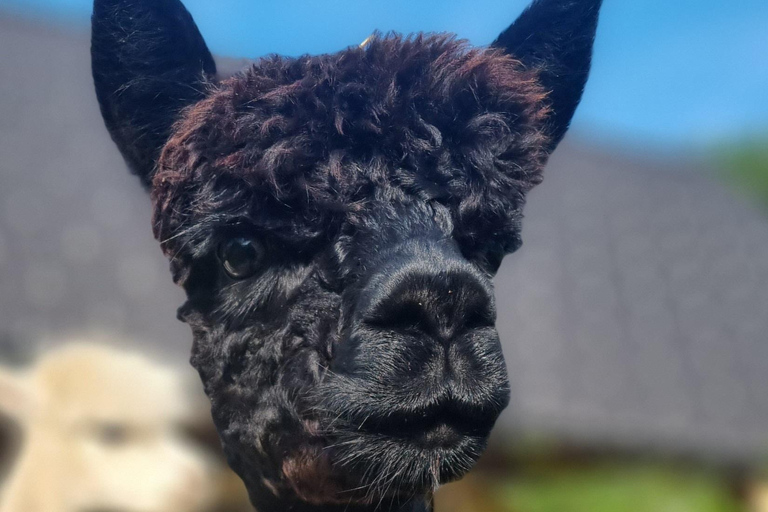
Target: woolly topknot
[{"x": 317, "y": 137}]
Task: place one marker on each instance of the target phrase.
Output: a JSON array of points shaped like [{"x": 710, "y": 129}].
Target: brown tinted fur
[{"x": 427, "y": 114}]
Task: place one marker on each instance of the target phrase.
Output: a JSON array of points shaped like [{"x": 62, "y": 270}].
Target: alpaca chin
[
  {"x": 407, "y": 467},
  {"x": 323, "y": 475}
]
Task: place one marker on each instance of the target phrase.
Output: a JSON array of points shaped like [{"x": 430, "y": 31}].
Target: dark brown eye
[{"x": 241, "y": 256}]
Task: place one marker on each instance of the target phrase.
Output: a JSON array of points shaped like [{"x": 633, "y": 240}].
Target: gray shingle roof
[
  {"x": 76, "y": 249},
  {"x": 636, "y": 313}
]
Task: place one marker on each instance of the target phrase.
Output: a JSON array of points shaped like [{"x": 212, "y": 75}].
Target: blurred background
[{"x": 634, "y": 319}]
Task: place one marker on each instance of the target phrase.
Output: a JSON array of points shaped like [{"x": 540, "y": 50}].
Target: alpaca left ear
[
  {"x": 149, "y": 61},
  {"x": 555, "y": 37}
]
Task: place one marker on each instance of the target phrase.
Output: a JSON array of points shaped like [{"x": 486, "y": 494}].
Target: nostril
[
  {"x": 407, "y": 316},
  {"x": 479, "y": 318},
  {"x": 477, "y": 308}
]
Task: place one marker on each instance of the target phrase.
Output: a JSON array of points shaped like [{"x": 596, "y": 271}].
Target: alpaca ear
[
  {"x": 556, "y": 38},
  {"x": 149, "y": 61},
  {"x": 17, "y": 399}
]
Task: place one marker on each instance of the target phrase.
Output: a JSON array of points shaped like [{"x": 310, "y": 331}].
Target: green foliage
[
  {"x": 746, "y": 167},
  {"x": 617, "y": 488}
]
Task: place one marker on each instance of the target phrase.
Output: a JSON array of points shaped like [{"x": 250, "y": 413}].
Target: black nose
[{"x": 442, "y": 300}]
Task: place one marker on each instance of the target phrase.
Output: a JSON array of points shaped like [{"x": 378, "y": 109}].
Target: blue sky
[{"x": 670, "y": 73}]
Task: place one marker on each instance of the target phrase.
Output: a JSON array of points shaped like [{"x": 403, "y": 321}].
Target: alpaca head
[
  {"x": 102, "y": 429},
  {"x": 335, "y": 221}
]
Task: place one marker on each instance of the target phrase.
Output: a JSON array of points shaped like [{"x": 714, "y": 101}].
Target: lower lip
[{"x": 442, "y": 435}]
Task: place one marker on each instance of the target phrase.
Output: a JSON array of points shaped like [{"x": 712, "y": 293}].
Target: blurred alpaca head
[{"x": 100, "y": 431}]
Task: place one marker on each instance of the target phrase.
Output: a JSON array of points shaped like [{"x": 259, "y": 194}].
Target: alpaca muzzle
[{"x": 421, "y": 369}]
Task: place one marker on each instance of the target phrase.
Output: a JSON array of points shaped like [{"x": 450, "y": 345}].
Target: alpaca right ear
[
  {"x": 149, "y": 61},
  {"x": 17, "y": 399}
]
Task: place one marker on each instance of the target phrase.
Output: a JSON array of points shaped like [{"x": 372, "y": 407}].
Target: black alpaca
[{"x": 335, "y": 221}]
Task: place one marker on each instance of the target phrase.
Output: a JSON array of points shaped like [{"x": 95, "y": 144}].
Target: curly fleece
[{"x": 428, "y": 115}]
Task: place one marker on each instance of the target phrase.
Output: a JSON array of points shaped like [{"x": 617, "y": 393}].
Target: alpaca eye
[
  {"x": 112, "y": 434},
  {"x": 241, "y": 256}
]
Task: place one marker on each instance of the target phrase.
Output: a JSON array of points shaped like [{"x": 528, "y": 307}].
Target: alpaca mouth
[
  {"x": 431, "y": 446},
  {"x": 441, "y": 427},
  {"x": 390, "y": 463}
]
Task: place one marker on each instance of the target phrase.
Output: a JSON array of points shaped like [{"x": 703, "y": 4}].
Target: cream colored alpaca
[
  {"x": 759, "y": 497},
  {"x": 99, "y": 434}
]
